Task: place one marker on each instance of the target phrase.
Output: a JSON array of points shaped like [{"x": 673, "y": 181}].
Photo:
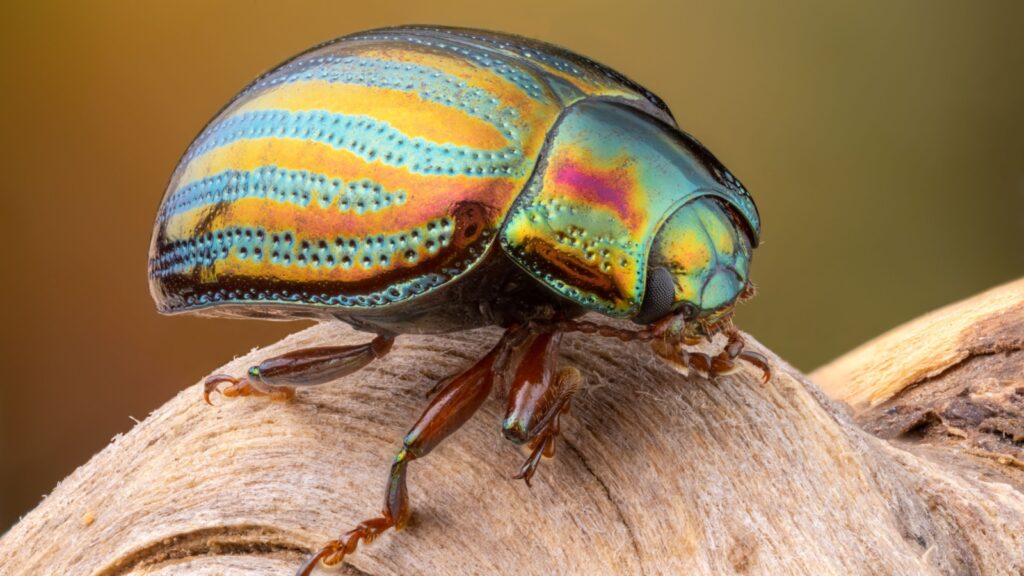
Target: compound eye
[{"x": 658, "y": 297}]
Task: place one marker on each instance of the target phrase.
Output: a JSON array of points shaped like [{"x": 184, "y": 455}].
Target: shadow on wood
[{"x": 656, "y": 474}]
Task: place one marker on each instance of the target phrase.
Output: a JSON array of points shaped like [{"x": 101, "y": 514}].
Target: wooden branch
[
  {"x": 948, "y": 386},
  {"x": 655, "y": 474},
  {"x": 927, "y": 347}
]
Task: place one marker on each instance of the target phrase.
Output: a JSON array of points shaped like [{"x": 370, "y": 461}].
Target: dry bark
[
  {"x": 656, "y": 473},
  {"x": 948, "y": 386}
]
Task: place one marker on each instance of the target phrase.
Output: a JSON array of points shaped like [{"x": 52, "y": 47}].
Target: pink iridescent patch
[{"x": 592, "y": 186}]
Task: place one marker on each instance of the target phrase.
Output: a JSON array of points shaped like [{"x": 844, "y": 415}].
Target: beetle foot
[
  {"x": 542, "y": 446},
  {"x": 711, "y": 367},
  {"x": 243, "y": 387},
  {"x": 541, "y": 412},
  {"x": 758, "y": 361},
  {"x": 335, "y": 551}
]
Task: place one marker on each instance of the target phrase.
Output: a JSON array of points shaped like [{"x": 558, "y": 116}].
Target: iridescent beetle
[{"x": 429, "y": 180}]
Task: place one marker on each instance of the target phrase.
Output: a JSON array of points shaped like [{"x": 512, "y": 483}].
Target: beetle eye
[{"x": 658, "y": 296}]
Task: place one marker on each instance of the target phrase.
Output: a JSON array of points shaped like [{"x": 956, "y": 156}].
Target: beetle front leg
[
  {"x": 275, "y": 377},
  {"x": 454, "y": 404},
  {"x": 725, "y": 362},
  {"x": 537, "y": 399}
]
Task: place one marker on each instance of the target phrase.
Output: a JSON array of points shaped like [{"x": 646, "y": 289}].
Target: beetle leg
[
  {"x": 275, "y": 377},
  {"x": 567, "y": 384},
  {"x": 454, "y": 404},
  {"x": 725, "y": 362},
  {"x": 440, "y": 384},
  {"x": 537, "y": 399},
  {"x": 758, "y": 360},
  {"x": 243, "y": 387}
]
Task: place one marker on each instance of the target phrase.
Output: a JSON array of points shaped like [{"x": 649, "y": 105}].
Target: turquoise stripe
[
  {"x": 366, "y": 137},
  {"x": 182, "y": 257},
  {"x": 298, "y": 187},
  {"x": 291, "y": 249},
  {"x": 429, "y": 83},
  {"x": 287, "y": 248},
  {"x": 490, "y": 59}
]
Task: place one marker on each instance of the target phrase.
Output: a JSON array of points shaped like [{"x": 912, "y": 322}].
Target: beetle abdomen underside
[{"x": 366, "y": 172}]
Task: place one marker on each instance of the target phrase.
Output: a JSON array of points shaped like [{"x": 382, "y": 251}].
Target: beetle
[{"x": 429, "y": 180}]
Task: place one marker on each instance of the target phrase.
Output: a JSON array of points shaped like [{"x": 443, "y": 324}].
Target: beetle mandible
[{"x": 430, "y": 180}]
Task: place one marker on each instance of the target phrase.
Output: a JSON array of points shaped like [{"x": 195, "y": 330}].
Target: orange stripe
[
  {"x": 234, "y": 266},
  {"x": 405, "y": 111},
  {"x": 313, "y": 221},
  {"x": 320, "y": 158},
  {"x": 464, "y": 69},
  {"x": 535, "y": 116}
]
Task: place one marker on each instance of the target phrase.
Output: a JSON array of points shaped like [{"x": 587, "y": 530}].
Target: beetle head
[{"x": 698, "y": 267}]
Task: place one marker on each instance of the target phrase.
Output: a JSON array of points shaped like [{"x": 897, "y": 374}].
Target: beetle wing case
[{"x": 365, "y": 173}]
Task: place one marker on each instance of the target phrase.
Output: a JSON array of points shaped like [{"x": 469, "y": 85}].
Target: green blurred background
[{"x": 883, "y": 141}]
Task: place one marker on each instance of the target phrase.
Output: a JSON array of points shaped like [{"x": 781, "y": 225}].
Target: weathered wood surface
[
  {"x": 948, "y": 386},
  {"x": 656, "y": 474}
]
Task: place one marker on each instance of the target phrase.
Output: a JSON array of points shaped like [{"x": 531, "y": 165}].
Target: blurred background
[{"x": 883, "y": 142}]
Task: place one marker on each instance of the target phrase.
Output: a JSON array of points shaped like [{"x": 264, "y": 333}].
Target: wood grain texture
[
  {"x": 656, "y": 474},
  {"x": 948, "y": 386},
  {"x": 926, "y": 347}
]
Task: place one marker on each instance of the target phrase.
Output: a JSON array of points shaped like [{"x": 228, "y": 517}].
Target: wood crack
[
  {"x": 611, "y": 500},
  {"x": 991, "y": 349},
  {"x": 251, "y": 540}
]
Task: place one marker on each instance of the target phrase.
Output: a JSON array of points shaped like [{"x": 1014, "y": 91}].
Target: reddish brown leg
[
  {"x": 275, "y": 377},
  {"x": 244, "y": 386},
  {"x": 539, "y": 395},
  {"x": 566, "y": 385},
  {"x": 454, "y": 404}
]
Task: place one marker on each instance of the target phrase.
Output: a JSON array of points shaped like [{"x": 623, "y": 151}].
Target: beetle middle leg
[
  {"x": 539, "y": 396},
  {"x": 453, "y": 405},
  {"x": 275, "y": 377}
]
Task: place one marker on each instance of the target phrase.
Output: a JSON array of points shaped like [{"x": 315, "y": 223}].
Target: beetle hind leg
[
  {"x": 245, "y": 386},
  {"x": 276, "y": 377}
]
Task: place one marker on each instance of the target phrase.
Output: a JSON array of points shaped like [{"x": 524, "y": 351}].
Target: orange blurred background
[{"x": 884, "y": 143}]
